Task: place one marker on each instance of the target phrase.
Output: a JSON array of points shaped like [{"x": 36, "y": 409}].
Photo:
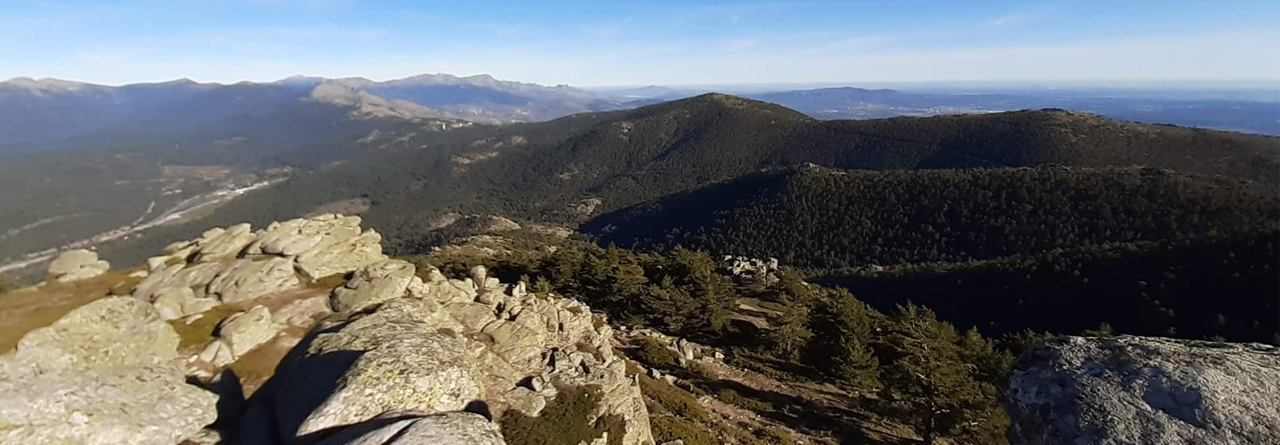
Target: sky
[{"x": 600, "y": 43}]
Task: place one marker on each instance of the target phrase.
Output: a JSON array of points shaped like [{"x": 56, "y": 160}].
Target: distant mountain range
[{"x": 52, "y": 113}]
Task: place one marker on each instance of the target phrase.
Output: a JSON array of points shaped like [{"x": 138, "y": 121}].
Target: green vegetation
[
  {"x": 926, "y": 375},
  {"x": 823, "y": 219},
  {"x": 654, "y": 354},
  {"x": 673, "y": 400},
  {"x": 733, "y": 397},
  {"x": 566, "y": 420},
  {"x": 849, "y": 343},
  {"x": 666, "y": 428}
]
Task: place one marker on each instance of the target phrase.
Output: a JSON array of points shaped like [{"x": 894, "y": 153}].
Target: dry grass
[
  {"x": 200, "y": 331},
  {"x": 32, "y": 308}
]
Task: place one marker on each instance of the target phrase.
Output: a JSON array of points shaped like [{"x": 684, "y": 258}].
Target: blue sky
[{"x": 592, "y": 43}]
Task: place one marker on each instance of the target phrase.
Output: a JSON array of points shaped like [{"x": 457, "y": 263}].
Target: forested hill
[
  {"x": 827, "y": 219},
  {"x": 1146, "y": 251},
  {"x": 567, "y": 170}
]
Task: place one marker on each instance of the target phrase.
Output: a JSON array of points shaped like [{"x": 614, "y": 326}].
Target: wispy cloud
[{"x": 1010, "y": 20}]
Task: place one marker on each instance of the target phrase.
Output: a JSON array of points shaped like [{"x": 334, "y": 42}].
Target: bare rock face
[
  {"x": 103, "y": 374},
  {"x": 177, "y": 302},
  {"x": 461, "y": 428},
  {"x": 381, "y": 363},
  {"x": 247, "y": 330},
  {"x": 222, "y": 244},
  {"x": 441, "y": 347},
  {"x": 76, "y": 265},
  {"x": 117, "y": 332},
  {"x": 246, "y": 279},
  {"x": 375, "y": 283},
  {"x": 341, "y": 255},
  {"x": 1142, "y": 390}
]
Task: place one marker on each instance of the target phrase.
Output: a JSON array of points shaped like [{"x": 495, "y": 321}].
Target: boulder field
[{"x": 384, "y": 352}]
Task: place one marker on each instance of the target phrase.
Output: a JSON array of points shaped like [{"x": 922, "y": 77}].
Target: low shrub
[
  {"x": 653, "y": 353},
  {"x": 732, "y": 397},
  {"x": 667, "y": 428},
  {"x": 566, "y": 420},
  {"x": 675, "y": 400}
]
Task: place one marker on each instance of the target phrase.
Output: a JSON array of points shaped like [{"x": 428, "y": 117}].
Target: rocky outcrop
[
  {"x": 396, "y": 355},
  {"x": 1141, "y": 390},
  {"x": 376, "y": 283},
  {"x": 103, "y": 374},
  {"x": 441, "y": 347},
  {"x": 751, "y": 270},
  {"x": 75, "y": 265},
  {"x": 237, "y": 264},
  {"x": 445, "y": 429},
  {"x": 246, "y": 279}
]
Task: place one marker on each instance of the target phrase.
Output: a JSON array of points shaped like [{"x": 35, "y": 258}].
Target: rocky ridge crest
[{"x": 392, "y": 354}]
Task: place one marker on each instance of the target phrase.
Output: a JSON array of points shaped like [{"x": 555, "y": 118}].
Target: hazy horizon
[{"x": 590, "y": 44}]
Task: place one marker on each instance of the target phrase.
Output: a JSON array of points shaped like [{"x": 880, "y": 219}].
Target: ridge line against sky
[{"x": 639, "y": 43}]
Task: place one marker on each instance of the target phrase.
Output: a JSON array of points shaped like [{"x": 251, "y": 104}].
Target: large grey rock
[
  {"x": 375, "y": 283},
  {"x": 385, "y": 362},
  {"x": 247, "y": 330},
  {"x": 224, "y": 244},
  {"x": 334, "y": 256},
  {"x": 460, "y": 428},
  {"x": 109, "y": 333},
  {"x": 194, "y": 276},
  {"x": 105, "y": 373},
  {"x": 173, "y": 303},
  {"x": 304, "y": 312},
  {"x": 1142, "y": 390},
  {"x": 74, "y": 265},
  {"x": 246, "y": 279},
  {"x": 293, "y": 237},
  {"x": 151, "y": 405}
]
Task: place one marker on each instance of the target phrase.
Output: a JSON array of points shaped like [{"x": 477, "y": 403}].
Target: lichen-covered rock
[
  {"x": 173, "y": 303},
  {"x": 293, "y": 237},
  {"x": 304, "y": 312},
  {"x": 74, "y": 265},
  {"x": 194, "y": 276},
  {"x": 375, "y": 283},
  {"x": 105, "y": 373},
  {"x": 246, "y": 279},
  {"x": 1141, "y": 390},
  {"x": 460, "y": 428},
  {"x": 384, "y": 362},
  {"x": 150, "y": 405},
  {"x": 247, "y": 330},
  {"x": 109, "y": 333},
  {"x": 224, "y": 244},
  {"x": 341, "y": 255}
]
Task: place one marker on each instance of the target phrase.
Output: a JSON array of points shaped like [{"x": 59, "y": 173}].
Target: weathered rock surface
[
  {"x": 461, "y": 428},
  {"x": 381, "y": 363},
  {"x": 294, "y": 237},
  {"x": 222, "y": 244},
  {"x": 435, "y": 347},
  {"x": 1142, "y": 390},
  {"x": 114, "y": 332},
  {"x": 341, "y": 255},
  {"x": 177, "y": 302},
  {"x": 247, "y": 330},
  {"x": 374, "y": 284},
  {"x": 103, "y": 374},
  {"x": 75, "y": 265},
  {"x": 247, "y": 279}
]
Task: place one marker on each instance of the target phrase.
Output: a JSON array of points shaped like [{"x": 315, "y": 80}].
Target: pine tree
[
  {"x": 842, "y": 329},
  {"x": 925, "y": 374}
]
